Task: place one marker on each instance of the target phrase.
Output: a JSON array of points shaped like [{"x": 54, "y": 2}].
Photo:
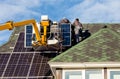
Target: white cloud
[
  {"x": 18, "y": 10},
  {"x": 14, "y": 9},
  {"x": 51, "y": 2},
  {"x": 27, "y": 3},
  {"x": 96, "y": 11}
]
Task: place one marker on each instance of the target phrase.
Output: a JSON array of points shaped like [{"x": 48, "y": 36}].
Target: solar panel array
[
  {"x": 3, "y": 61},
  {"x": 19, "y": 47},
  {"x": 25, "y": 65},
  {"x": 66, "y": 34}
]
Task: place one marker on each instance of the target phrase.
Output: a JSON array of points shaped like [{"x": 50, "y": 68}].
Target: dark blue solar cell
[
  {"x": 29, "y": 29},
  {"x": 28, "y": 36},
  {"x": 66, "y": 41},
  {"x": 65, "y": 30},
  {"x": 28, "y": 39},
  {"x": 66, "y": 34},
  {"x": 65, "y": 27},
  {"x": 28, "y": 43}
]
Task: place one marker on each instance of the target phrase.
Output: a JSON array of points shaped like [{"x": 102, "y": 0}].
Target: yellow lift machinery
[{"x": 41, "y": 39}]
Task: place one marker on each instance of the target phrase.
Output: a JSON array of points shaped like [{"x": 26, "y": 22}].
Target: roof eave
[{"x": 84, "y": 64}]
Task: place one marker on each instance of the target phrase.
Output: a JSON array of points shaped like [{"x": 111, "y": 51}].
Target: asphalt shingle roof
[{"x": 103, "y": 46}]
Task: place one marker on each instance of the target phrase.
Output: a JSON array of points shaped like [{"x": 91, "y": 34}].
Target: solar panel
[
  {"x": 39, "y": 62},
  {"x": 3, "y": 62},
  {"x": 19, "y": 47},
  {"x": 25, "y": 63},
  {"x": 66, "y": 34},
  {"x": 22, "y": 65},
  {"x": 28, "y": 36},
  {"x": 18, "y": 65}
]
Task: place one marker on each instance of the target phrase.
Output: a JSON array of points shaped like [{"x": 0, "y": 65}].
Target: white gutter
[{"x": 84, "y": 64}]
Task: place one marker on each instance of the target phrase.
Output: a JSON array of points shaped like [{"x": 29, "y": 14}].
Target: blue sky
[{"x": 88, "y": 11}]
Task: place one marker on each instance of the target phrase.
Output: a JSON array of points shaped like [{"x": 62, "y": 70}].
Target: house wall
[{"x": 59, "y": 72}]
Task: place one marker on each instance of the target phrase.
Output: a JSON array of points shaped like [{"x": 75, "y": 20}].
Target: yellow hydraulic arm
[{"x": 10, "y": 25}]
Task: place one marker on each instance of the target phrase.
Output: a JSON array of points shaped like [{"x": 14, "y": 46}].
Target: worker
[
  {"x": 78, "y": 29},
  {"x": 54, "y": 29}
]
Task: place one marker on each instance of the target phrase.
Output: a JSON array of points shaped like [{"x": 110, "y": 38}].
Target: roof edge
[{"x": 84, "y": 64}]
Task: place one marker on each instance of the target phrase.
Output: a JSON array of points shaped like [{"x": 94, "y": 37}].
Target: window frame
[
  {"x": 109, "y": 70},
  {"x": 81, "y": 70},
  {"x": 63, "y": 72},
  {"x": 96, "y": 69}
]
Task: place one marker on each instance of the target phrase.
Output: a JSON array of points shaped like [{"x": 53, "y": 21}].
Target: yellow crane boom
[
  {"x": 41, "y": 40},
  {"x": 33, "y": 22},
  {"x": 6, "y": 26}
]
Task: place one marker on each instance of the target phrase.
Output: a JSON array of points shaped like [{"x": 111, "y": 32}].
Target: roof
[
  {"x": 93, "y": 28},
  {"x": 102, "y": 46},
  {"x": 9, "y": 45}
]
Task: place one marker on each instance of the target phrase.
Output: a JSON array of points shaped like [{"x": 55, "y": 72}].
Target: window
[
  {"x": 114, "y": 74},
  {"x": 94, "y": 74},
  {"x": 72, "y": 74},
  {"x": 83, "y": 74}
]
